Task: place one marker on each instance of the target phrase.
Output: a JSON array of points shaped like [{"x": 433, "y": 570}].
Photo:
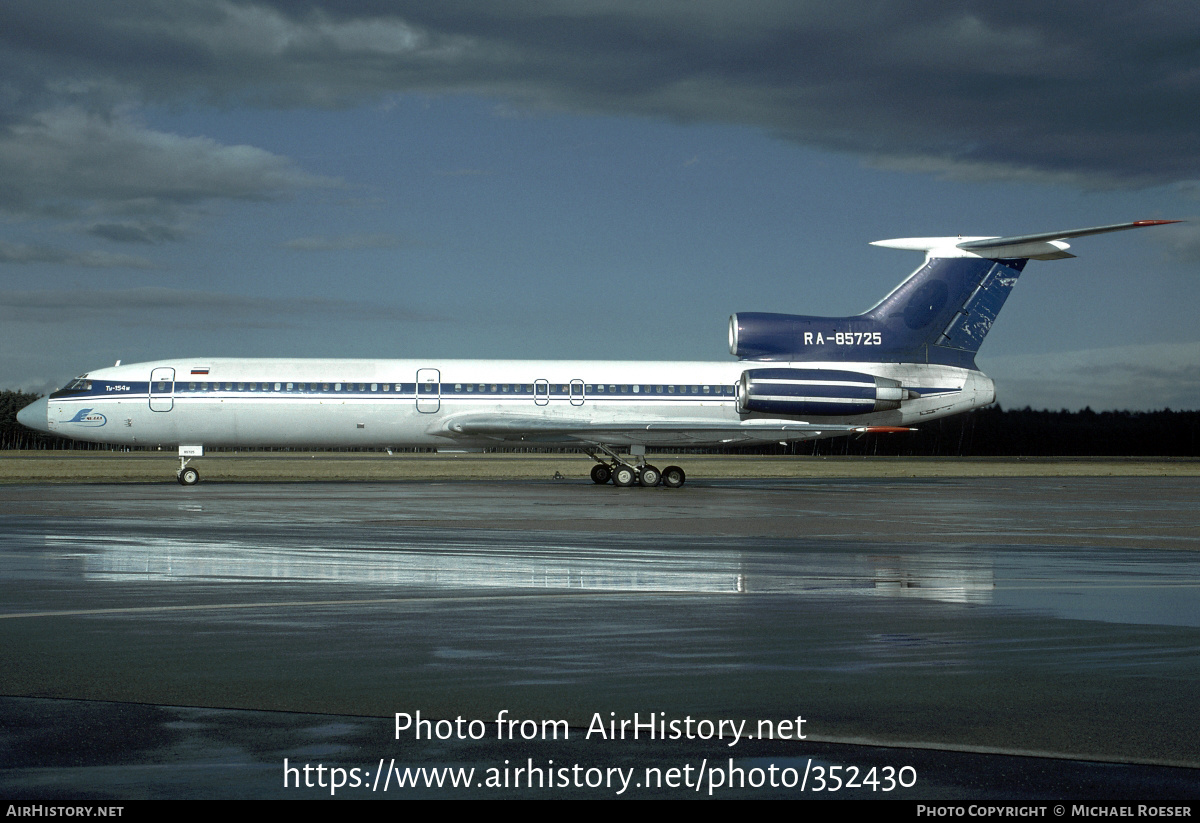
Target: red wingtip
[{"x": 1154, "y": 222}]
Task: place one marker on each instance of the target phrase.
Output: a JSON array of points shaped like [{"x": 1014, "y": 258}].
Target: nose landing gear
[{"x": 188, "y": 476}]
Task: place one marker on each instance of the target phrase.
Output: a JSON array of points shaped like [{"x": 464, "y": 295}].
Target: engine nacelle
[{"x": 826, "y": 392}]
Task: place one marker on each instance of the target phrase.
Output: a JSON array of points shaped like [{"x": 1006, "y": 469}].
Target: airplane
[{"x": 908, "y": 359}]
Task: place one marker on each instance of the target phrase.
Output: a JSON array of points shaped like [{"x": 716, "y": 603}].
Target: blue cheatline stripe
[{"x": 108, "y": 390}]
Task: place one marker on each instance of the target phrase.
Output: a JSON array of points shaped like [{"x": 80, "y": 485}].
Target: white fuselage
[{"x": 219, "y": 402}]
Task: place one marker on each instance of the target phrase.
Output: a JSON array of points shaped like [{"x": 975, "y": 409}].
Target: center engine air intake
[{"x": 816, "y": 392}]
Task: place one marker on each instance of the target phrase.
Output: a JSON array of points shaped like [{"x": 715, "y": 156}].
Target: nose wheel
[{"x": 187, "y": 476}]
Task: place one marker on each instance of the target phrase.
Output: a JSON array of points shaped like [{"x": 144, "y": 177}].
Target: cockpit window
[{"x": 78, "y": 384}]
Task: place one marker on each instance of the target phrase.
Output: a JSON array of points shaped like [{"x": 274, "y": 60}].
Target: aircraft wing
[{"x": 507, "y": 428}]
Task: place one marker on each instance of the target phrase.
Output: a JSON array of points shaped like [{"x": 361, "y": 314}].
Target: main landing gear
[{"x": 622, "y": 473}]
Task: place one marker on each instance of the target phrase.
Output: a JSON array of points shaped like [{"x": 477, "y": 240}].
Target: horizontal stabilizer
[{"x": 1043, "y": 246}]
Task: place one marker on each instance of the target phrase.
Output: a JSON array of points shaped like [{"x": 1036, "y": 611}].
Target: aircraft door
[
  {"x": 541, "y": 392},
  {"x": 162, "y": 389},
  {"x": 576, "y": 392},
  {"x": 429, "y": 390}
]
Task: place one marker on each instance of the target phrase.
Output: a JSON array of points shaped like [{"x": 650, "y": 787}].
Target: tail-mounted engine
[{"x": 817, "y": 392}]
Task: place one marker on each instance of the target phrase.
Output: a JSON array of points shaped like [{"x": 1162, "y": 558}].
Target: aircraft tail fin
[{"x": 939, "y": 314}]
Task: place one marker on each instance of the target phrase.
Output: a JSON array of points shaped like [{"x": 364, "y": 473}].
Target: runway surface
[{"x": 1003, "y": 637}]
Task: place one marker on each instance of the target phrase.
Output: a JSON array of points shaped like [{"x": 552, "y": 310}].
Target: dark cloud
[{"x": 1060, "y": 92}]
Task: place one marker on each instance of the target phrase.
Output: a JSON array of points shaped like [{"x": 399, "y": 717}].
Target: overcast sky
[{"x": 578, "y": 179}]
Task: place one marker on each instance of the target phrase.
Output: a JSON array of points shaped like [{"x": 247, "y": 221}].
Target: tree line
[
  {"x": 998, "y": 432},
  {"x": 990, "y": 432}
]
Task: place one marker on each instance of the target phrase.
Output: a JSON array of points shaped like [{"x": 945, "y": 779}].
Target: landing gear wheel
[
  {"x": 189, "y": 477},
  {"x": 601, "y": 474},
  {"x": 650, "y": 476},
  {"x": 624, "y": 476},
  {"x": 673, "y": 477}
]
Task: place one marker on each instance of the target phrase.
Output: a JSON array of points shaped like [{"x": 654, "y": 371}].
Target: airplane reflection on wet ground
[{"x": 1051, "y": 618}]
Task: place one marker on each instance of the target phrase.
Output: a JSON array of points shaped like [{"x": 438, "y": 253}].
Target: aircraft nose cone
[{"x": 34, "y": 415}]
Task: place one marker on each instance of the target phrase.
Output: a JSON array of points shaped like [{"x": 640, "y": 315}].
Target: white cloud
[
  {"x": 66, "y": 159},
  {"x": 1137, "y": 378}
]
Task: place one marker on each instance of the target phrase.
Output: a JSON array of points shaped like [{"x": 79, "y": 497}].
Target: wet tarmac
[{"x": 1000, "y": 638}]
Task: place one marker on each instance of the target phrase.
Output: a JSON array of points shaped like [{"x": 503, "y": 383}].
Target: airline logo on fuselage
[{"x": 87, "y": 417}]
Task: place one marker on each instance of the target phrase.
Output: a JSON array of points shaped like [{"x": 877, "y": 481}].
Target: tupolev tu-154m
[{"x": 909, "y": 358}]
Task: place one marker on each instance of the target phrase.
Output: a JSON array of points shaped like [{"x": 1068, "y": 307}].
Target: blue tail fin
[
  {"x": 944, "y": 310},
  {"x": 940, "y": 314}
]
